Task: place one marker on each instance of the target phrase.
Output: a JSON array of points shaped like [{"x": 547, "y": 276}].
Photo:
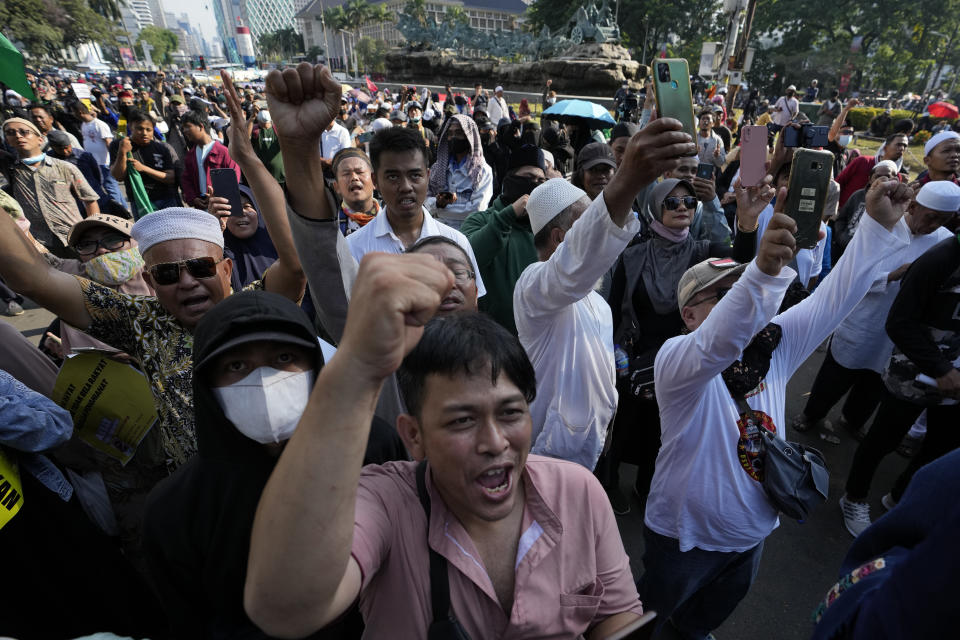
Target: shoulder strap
[{"x": 439, "y": 585}]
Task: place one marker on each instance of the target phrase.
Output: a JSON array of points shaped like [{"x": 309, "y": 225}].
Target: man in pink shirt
[{"x": 528, "y": 545}]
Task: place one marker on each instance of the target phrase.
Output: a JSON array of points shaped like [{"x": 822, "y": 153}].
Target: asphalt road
[{"x": 800, "y": 561}]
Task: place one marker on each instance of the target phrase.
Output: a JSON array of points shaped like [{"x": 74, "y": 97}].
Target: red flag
[{"x": 370, "y": 85}]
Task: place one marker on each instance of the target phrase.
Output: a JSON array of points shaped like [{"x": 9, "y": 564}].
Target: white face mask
[
  {"x": 266, "y": 405},
  {"x": 844, "y": 140}
]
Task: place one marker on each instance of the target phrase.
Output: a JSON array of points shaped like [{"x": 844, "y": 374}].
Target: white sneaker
[
  {"x": 888, "y": 501},
  {"x": 856, "y": 515}
]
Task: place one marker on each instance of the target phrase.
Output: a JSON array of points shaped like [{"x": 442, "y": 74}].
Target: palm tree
[
  {"x": 456, "y": 15},
  {"x": 358, "y": 14},
  {"x": 380, "y": 13},
  {"x": 418, "y": 10}
]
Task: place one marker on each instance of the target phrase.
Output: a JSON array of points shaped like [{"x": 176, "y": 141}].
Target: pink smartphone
[{"x": 753, "y": 155}]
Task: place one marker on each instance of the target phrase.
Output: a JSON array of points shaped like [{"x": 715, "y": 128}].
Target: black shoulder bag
[{"x": 445, "y": 625}]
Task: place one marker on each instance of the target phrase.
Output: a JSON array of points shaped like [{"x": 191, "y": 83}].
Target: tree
[
  {"x": 24, "y": 21},
  {"x": 372, "y": 54},
  {"x": 163, "y": 41},
  {"x": 314, "y": 53},
  {"x": 418, "y": 9},
  {"x": 281, "y": 44},
  {"x": 457, "y": 15},
  {"x": 380, "y": 13}
]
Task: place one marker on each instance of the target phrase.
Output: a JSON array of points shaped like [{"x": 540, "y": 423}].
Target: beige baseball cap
[
  {"x": 99, "y": 220},
  {"x": 702, "y": 275}
]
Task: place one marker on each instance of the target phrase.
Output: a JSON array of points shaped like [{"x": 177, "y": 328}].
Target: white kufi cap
[
  {"x": 937, "y": 139},
  {"x": 549, "y": 199},
  {"x": 939, "y": 195},
  {"x": 176, "y": 223}
]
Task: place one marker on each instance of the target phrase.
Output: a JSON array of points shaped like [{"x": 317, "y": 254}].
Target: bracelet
[{"x": 756, "y": 226}]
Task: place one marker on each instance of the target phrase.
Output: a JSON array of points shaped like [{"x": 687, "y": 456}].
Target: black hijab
[
  {"x": 251, "y": 256},
  {"x": 198, "y": 521}
]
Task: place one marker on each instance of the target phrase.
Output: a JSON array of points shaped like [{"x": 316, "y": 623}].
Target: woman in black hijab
[{"x": 249, "y": 351}]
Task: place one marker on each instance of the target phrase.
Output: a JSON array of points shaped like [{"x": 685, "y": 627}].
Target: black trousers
[
  {"x": 635, "y": 440},
  {"x": 833, "y": 380},
  {"x": 9, "y": 295},
  {"x": 893, "y": 421}
]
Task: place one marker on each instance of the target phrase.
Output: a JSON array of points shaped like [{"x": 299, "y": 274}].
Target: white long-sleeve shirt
[
  {"x": 497, "y": 109},
  {"x": 566, "y": 329},
  {"x": 701, "y": 493},
  {"x": 861, "y": 341}
]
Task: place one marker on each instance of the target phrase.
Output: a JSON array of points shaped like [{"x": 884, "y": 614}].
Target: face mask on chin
[
  {"x": 266, "y": 405},
  {"x": 113, "y": 269}
]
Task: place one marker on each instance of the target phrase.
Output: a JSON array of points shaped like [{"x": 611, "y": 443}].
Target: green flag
[
  {"x": 11, "y": 69},
  {"x": 141, "y": 201}
]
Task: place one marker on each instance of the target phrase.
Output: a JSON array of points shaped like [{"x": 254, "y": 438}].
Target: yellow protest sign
[
  {"x": 11, "y": 491},
  {"x": 110, "y": 402}
]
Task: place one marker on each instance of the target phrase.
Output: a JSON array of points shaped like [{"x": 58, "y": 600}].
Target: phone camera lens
[{"x": 663, "y": 72}]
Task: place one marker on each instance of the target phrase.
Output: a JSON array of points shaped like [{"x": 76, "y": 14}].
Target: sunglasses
[
  {"x": 718, "y": 296},
  {"x": 199, "y": 268},
  {"x": 110, "y": 243},
  {"x": 673, "y": 202}
]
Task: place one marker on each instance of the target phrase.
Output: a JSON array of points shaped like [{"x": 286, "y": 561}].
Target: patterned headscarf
[{"x": 438, "y": 172}]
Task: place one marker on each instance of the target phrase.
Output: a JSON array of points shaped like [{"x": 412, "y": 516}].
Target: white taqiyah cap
[
  {"x": 937, "y": 139},
  {"x": 889, "y": 164},
  {"x": 549, "y": 199},
  {"x": 499, "y": 88},
  {"x": 380, "y": 124},
  {"x": 939, "y": 195},
  {"x": 176, "y": 223}
]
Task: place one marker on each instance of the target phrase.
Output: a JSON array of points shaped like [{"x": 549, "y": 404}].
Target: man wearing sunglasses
[
  {"x": 707, "y": 513},
  {"x": 182, "y": 250}
]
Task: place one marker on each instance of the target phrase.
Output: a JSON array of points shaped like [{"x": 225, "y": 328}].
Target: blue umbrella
[{"x": 582, "y": 111}]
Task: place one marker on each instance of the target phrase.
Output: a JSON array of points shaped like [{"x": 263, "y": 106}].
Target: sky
[{"x": 200, "y": 12}]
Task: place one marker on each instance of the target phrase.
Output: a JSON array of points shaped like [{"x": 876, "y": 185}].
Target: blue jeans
[
  {"x": 696, "y": 590},
  {"x": 111, "y": 187}
]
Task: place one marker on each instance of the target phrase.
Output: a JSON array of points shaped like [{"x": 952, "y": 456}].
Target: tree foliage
[
  {"x": 44, "y": 27},
  {"x": 281, "y": 44},
  {"x": 372, "y": 54},
  {"x": 163, "y": 41}
]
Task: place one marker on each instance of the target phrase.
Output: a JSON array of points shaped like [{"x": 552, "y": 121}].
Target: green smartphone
[
  {"x": 671, "y": 82},
  {"x": 807, "y": 193}
]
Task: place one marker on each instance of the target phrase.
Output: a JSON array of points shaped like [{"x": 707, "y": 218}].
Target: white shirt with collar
[
  {"x": 497, "y": 109},
  {"x": 378, "y": 235},
  {"x": 566, "y": 328},
  {"x": 334, "y": 139}
]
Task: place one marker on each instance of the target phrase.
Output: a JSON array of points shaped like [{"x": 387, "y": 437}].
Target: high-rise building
[
  {"x": 229, "y": 15},
  {"x": 157, "y": 13},
  {"x": 266, "y": 16}
]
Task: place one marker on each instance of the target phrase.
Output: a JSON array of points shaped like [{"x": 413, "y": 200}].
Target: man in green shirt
[
  {"x": 501, "y": 236},
  {"x": 267, "y": 147}
]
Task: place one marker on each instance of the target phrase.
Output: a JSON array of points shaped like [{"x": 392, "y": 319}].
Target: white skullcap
[
  {"x": 380, "y": 124},
  {"x": 176, "y": 223},
  {"x": 889, "y": 164},
  {"x": 549, "y": 199},
  {"x": 939, "y": 195},
  {"x": 499, "y": 88},
  {"x": 937, "y": 139}
]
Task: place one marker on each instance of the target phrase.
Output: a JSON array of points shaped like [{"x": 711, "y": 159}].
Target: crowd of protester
[{"x": 426, "y": 441}]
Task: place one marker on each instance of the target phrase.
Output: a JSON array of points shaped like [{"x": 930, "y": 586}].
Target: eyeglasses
[
  {"x": 463, "y": 275},
  {"x": 14, "y": 133},
  {"x": 110, "y": 243},
  {"x": 718, "y": 296},
  {"x": 169, "y": 272},
  {"x": 673, "y": 202}
]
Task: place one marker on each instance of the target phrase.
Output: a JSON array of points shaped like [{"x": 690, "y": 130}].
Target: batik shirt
[{"x": 141, "y": 327}]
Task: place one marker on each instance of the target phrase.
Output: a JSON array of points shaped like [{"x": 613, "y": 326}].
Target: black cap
[
  {"x": 526, "y": 156},
  {"x": 623, "y": 130},
  {"x": 593, "y": 154}
]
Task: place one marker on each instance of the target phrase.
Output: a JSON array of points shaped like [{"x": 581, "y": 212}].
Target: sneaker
[
  {"x": 13, "y": 309},
  {"x": 619, "y": 502},
  {"x": 856, "y": 515},
  {"x": 888, "y": 502}
]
